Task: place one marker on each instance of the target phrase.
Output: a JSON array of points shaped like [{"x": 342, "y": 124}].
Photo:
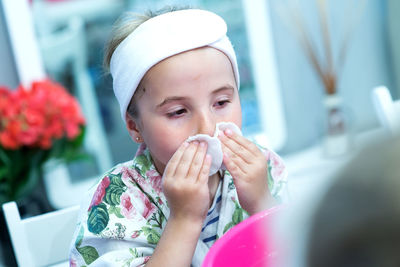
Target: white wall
[
  {"x": 8, "y": 72},
  {"x": 367, "y": 65}
]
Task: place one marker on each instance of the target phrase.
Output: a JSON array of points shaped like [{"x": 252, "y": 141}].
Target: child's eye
[
  {"x": 222, "y": 103},
  {"x": 176, "y": 113}
]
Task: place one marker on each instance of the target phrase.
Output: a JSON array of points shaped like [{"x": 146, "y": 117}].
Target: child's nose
[{"x": 206, "y": 125}]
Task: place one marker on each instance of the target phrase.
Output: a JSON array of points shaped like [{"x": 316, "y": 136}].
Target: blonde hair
[{"x": 123, "y": 27}]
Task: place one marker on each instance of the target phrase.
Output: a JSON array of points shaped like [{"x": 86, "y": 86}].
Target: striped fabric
[{"x": 209, "y": 230}]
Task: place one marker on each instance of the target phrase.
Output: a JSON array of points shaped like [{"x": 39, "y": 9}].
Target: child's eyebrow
[
  {"x": 223, "y": 88},
  {"x": 170, "y": 99}
]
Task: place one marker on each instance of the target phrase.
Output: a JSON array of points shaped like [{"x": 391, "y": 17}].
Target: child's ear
[{"x": 133, "y": 129}]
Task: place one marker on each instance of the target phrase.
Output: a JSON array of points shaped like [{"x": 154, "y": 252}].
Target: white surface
[
  {"x": 309, "y": 168},
  {"x": 59, "y": 12},
  {"x": 23, "y": 42},
  {"x": 265, "y": 69},
  {"x": 387, "y": 109},
  {"x": 41, "y": 240}
]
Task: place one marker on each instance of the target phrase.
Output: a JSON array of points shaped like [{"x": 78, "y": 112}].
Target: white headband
[{"x": 161, "y": 37}]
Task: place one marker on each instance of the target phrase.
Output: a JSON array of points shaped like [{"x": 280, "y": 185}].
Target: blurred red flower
[
  {"x": 37, "y": 123},
  {"x": 36, "y": 116}
]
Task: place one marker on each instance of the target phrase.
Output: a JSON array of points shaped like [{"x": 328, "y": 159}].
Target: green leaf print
[
  {"x": 151, "y": 234},
  {"x": 237, "y": 216},
  {"x": 231, "y": 185},
  {"x": 113, "y": 194},
  {"x": 142, "y": 163},
  {"x": 134, "y": 252},
  {"x": 114, "y": 190},
  {"x": 270, "y": 180},
  {"x": 79, "y": 238},
  {"x": 115, "y": 179},
  {"x": 89, "y": 254},
  {"x": 116, "y": 211},
  {"x": 228, "y": 226},
  {"x": 98, "y": 218}
]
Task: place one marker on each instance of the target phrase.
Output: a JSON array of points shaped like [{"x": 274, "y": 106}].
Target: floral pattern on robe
[{"x": 126, "y": 212}]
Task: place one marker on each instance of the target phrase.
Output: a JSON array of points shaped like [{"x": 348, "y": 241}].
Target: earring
[{"x": 138, "y": 138}]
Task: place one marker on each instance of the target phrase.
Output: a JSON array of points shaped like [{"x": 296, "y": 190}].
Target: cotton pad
[
  {"x": 222, "y": 126},
  {"x": 214, "y": 147}
]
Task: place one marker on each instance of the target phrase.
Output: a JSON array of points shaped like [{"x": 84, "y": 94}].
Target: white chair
[
  {"x": 41, "y": 240},
  {"x": 387, "y": 109}
]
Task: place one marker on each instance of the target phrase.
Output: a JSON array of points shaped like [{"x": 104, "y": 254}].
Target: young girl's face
[{"x": 185, "y": 95}]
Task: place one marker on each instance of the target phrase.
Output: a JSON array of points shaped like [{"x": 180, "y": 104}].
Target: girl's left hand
[{"x": 248, "y": 167}]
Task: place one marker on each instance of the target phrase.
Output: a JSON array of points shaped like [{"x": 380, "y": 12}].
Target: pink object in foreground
[{"x": 248, "y": 244}]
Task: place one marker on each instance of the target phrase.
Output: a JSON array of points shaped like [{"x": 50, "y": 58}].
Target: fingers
[
  {"x": 197, "y": 161},
  {"x": 205, "y": 170},
  {"x": 234, "y": 163},
  {"x": 237, "y": 146},
  {"x": 175, "y": 159},
  {"x": 189, "y": 161},
  {"x": 185, "y": 162}
]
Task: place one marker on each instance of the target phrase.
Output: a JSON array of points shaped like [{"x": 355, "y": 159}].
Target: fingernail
[
  {"x": 202, "y": 144},
  {"x": 228, "y": 132},
  {"x": 185, "y": 144}
]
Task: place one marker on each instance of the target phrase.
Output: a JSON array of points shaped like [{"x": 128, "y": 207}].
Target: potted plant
[{"x": 38, "y": 123}]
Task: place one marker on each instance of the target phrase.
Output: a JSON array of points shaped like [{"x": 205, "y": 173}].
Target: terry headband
[{"x": 161, "y": 37}]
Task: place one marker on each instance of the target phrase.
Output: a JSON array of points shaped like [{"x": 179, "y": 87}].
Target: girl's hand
[
  {"x": 248, "y": 167},
  {"x": 185, "y": 182}
]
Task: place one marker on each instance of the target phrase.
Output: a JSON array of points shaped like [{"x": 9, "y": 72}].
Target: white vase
[{"x": 337, "y": 133}]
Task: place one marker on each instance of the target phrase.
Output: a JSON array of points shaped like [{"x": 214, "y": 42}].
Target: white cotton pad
[
  {"x": 214, "y": 148},
  {"x": 222, "y": 126}
]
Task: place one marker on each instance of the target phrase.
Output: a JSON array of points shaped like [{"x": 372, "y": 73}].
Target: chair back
[
  {"x": 387, "y": 109},
  {"x": 41, "y": 240}
]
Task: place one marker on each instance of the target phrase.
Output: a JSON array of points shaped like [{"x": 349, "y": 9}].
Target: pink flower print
[
  {"x": 72, "y": 263},
  {"x": 278, "y": 168},
  {"x": 155, "y": 180},
  {"x": 100, "y": 192},
  {"x": 146, "y": 259},
  {"x": 128, "y": 175},
  {"x": 148, "y": 207},
  {"x": 127, "y": 209},
  {"x": 135, "y": 234},
  {"x": 267, "y": 154},
  {"x": 131, "y": 176}
]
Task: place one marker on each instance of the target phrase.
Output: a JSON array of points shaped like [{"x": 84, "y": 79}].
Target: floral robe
[{"x": 124, "y": 215}]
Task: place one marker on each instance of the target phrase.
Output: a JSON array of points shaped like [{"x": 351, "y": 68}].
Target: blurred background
[{"x": 282, "y": 96}]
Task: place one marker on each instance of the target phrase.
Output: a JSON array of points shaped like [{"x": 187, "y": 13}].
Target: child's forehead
[
  {"x": 205, "y": 68},
  {"x": 190, "y": 62}
]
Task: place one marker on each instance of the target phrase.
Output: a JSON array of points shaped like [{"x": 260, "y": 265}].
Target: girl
[{"x": 175, "y": 75}]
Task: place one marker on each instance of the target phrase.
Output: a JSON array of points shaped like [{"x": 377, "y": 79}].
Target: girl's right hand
[{"x": 185, "y": 182}]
